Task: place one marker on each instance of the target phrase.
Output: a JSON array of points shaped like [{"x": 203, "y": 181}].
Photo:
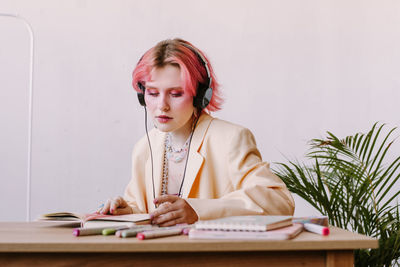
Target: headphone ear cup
[
  {"x": 206, "y": 98},
  {"x": 140, "y": 96},
  {"x": 203, "y": 97}
]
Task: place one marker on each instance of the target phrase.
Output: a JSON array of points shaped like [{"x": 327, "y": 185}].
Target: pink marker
[
  {"x": 93, "y": 231},
  {"x": 185, "y": 231},
  {"x": 87, "y": 231},
  {"x": 318, "y": 229}
]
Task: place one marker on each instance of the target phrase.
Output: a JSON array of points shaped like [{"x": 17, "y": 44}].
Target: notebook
[
  {"x": 128, "y": 220},
  {"x": 284, "y": 233},
  {"x": 62, "y": 216},
  {"x": 96, "y": 220},
  {"x": 245, "y": 223}
]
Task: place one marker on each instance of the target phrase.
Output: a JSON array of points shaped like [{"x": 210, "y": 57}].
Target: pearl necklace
[
  {"x": 177, "y": 155},
  {"x": 164, "y": 187}
]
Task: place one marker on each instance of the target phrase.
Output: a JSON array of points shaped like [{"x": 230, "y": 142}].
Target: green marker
[
  {"x": 133, "y": 231},
  {"x": 111, "y": 231}
]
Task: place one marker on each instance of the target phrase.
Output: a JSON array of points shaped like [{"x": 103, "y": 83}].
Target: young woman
[{"x": 192, "y": 166}]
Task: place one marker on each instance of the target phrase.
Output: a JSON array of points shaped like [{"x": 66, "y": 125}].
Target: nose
[{"x": 163, "y": 104}]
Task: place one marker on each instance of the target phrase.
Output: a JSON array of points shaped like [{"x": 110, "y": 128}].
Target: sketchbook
[
  {"x": 96, "y": 220},
  {"x": 246, "y": 223},
  {"x": 283, "y": 233}
]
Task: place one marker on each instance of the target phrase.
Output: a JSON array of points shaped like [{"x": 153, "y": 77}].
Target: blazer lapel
[{"x": 195, "y": 160}]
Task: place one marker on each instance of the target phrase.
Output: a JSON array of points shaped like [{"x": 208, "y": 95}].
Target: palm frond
[{"x": 351, "y": 182}]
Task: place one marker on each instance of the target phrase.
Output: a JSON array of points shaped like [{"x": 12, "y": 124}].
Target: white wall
[{"x": 290, "y": 70}]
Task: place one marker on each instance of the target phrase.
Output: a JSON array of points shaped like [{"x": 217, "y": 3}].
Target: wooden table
[{"x": 35, "y": 244}]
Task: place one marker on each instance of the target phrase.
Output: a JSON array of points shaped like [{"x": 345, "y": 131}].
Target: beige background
[{"x": 290, "y": 70}]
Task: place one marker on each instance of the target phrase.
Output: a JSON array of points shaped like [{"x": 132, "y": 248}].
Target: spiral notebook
[
  {"x": 246, "y": 223},
  {"x": 283, "y": 233}
]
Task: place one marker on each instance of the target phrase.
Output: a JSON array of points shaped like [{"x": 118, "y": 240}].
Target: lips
[{"x": 163, "y": 118}]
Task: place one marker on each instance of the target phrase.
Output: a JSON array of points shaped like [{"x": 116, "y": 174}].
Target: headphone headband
[
  {"x": 203, "y": 92},
  {"x": 201, "y": 57}
]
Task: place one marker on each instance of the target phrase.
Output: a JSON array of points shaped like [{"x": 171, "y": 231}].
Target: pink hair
[{"x": 175, "y": 52}]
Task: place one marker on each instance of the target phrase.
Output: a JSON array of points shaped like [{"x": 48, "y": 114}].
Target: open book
[{"x": 96, "y": 220}]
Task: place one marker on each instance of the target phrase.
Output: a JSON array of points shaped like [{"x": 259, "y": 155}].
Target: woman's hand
[
  {"x": 172, "y": 210},
  {"x": 115, "y": 206}
]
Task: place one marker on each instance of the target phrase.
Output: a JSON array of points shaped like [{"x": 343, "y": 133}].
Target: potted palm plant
[{"x": 352, "y": 181}]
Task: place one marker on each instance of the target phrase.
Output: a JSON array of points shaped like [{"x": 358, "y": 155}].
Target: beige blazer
[{"x": 225, "y": 174}]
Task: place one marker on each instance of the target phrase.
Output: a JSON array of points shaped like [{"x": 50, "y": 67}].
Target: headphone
[{"x": 204, "y": 91}]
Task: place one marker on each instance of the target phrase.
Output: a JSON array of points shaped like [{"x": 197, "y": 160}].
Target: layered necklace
[{"x": 174, "y": 154}]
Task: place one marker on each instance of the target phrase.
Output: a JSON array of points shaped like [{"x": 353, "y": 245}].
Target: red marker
[{"x": 315, "y": 228}]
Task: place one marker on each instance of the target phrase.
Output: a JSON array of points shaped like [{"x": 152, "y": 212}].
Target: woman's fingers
[
  {"x": 106, "y": 207},
  {"x": 162, "y": 208},
  {"x": 99, "y": 208},
  {"x": 173, "y": 210},
  {"x": 163, "y": 203},
  {"x": 116, "y": 203},
  {"x": 171, "y": 222},
  {"x": 166, "y": 198},
  {"x": 169, "y": 215},
  {"x": 115, "y": 206},
  {"x": 121, "y": 211}
]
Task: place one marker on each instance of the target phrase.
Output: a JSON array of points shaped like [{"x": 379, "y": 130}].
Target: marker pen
[
  {"x": 133, "y": 231},
  {"x": 185, "y": 231},
  {"x": 318, "y": 229},
  {"x": 159, "y": 233},
  {"x": 128, "y": 233},
  {"x": 111, "y": 231},
  {"x": 91, "y": 231}
]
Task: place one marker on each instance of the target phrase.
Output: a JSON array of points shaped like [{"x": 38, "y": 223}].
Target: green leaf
[{"x": 350, "y": 181}]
